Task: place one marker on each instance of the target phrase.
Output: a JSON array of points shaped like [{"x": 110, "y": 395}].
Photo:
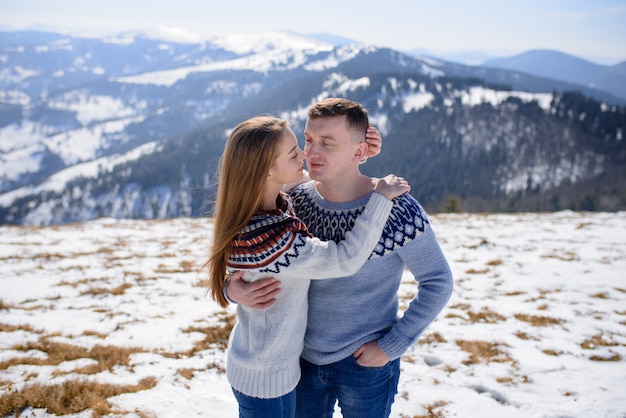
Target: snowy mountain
[
  {"x": 64, "y": 101},
  {"x": 132, "y": 126},
  {"x": 559, "y": 66}
]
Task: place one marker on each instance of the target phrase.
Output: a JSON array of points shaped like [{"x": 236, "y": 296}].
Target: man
[{"x": 354, "y": 339}]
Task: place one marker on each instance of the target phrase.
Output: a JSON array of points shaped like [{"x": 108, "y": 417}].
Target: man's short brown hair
[{"x": 356, "y": 114}]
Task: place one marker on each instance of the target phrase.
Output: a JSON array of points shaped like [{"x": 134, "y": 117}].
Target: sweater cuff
[
  {"x": 225, "y": 291},
  {"x": 392, "y": 345}
]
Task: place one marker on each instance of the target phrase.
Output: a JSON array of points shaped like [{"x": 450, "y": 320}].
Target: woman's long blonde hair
[{"x": 249, "y": 153}]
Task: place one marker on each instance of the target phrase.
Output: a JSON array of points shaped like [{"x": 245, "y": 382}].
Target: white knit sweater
[{"x": 265, "y": 345}]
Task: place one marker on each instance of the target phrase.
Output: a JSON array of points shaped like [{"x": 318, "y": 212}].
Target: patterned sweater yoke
[
  {"x": 329, "y": 221},
  {"x": 268, "y": 235}
]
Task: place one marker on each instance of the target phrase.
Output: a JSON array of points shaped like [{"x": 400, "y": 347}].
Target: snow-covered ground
[{"x": 536, "y": 326}]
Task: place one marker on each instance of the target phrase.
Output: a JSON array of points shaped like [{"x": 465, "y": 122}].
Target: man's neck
[{"x": 346, "y": 189}]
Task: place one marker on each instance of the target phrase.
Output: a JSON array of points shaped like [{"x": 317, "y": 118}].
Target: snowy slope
[{"x": 535, "y": 327}]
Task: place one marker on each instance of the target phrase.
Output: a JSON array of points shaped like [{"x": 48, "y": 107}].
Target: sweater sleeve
[
  {"x": 427, "y": 263},
  {"x": 311, "y": 258}
]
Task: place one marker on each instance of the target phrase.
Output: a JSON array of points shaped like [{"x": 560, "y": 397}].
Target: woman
[{"x": 256, "y": 231}]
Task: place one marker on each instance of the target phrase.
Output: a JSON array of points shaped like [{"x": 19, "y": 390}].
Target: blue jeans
[
  {"x": 281, "y": 407},
  {"x": 362, "y": 392}
]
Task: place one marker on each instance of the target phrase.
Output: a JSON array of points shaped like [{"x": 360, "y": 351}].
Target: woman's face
[{"x": 289, "y": 163}]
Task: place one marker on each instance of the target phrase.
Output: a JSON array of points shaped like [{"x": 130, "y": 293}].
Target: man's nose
[{"x": 309, "y": 149}]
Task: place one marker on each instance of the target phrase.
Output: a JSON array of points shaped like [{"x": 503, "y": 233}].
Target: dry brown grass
[
  {"x": 213, "y": 335},
  {"x": 483, "y": 351},
  {"x": 431, "y": 338},
  {"x": 485, "y": 315},
  {"x": 89, "y": 333},
  {"x": 539, "y": 321},
  {"x": 187, "y": 373},
  {"x": 106, "y": 357},
  {"x": 477, "y": 271},
  {"x": 515, "y": 293},
  {"x": 543, "y": 293},
  {"x": 597, "y": 341},
  {"x": 69, "y": 397},
  {"x": 449, "y": 369},
  {"x": 508, "y": 381},
  {"x": 5, "y": 306},
  {"x": 612, "y": 357},
  {"x": 432, "y": 411},
  {"x": 80, "y": 282},
  {"x": 142, "y": 414},
  {"x": 116, "y": 291},
  {"x": 523, "y": 336},
  {"x": 566, "y": 256},
  {"x": 482, "y": 242},
  {"x": 202, "y": 283},
  {"x": 185, "y": 266},
  {"x": 11, "y": 328},
  {"x": 513, "y": 380}
]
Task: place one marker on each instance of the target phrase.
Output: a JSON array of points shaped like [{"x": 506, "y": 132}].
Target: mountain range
[
  {"x": 133, "y": 126},
  {"x": 559, "y": 66}
]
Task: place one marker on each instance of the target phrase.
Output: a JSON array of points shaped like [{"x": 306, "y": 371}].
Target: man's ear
[{"x": 360, "y": 152}]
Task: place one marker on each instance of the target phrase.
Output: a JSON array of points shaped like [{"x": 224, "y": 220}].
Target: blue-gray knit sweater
[{"x": 348, "y": 312}]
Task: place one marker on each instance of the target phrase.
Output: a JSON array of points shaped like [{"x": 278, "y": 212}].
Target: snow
[
  {"x": 83, "y": 144},
  {"x": 14, "y": 97},
  {"x": 258, "y": 52},
  {"x": 338, "y": 56},
  {"x": 339, "y": 85},
  {"x": 565, "y": 267},
  {"x": 21, "y": 74},
  {"x": 477, "y": 95},
  {"x": 92, "y": 108},
  {"x": 247, "y": 43},
  {"x": 261, "y": 62},
  {"x": 91, "y": 169},
  {"x": 414, "y": 102},
  {"x": 21, "y": 147},
  {"x": 549, "y": 175},
  {"x": 25, "y": 159}
]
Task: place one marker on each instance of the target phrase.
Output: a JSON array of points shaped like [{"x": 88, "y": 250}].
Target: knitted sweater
[
  {"x": 346, "y": 313},
  {"x": 264, "y": 349}
]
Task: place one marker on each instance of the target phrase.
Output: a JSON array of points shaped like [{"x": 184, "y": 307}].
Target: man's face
[{"x": 328, "y": 147}]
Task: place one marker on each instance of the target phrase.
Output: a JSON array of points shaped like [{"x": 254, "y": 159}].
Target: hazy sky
[{"x": 591, "y": 29}]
